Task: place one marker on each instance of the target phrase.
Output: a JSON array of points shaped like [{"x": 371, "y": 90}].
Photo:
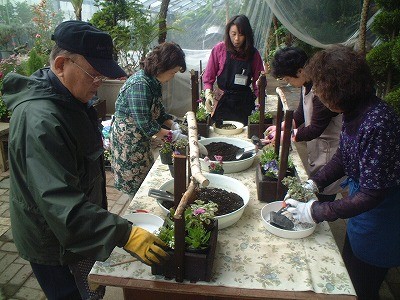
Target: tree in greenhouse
[{"x": 384, "y": 59}]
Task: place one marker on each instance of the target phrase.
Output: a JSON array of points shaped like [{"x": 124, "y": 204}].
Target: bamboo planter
[
  {"x": 253, "y": 128},
  {"x": 267, "y": 187},
  {"x": 197, "y": 266}
]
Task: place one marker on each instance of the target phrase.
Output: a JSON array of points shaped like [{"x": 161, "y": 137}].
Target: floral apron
[{"x": 131, "y": 155}]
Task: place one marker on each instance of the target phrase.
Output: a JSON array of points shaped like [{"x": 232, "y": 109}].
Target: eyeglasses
[{"x": 96, "y": 79}]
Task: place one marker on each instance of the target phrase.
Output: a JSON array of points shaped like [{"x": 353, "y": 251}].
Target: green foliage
[
  {"x": 296, "y": 189},
  {"x": 132, "y": 28},
  {"x": 396, "y": 53},
  {"x": 254, "y": 118},
  {"x": 384, "y": 59},
  {"x": 201, "y": 112},
  {"x": 35, "y": 62},
  {"x": 386, "y": 24},
  {"x": 198, "y": 217},
  {"x": 268, "y": 154},
  {"x": 14, "y": 63},
  {"x": 393, "y": 98}
]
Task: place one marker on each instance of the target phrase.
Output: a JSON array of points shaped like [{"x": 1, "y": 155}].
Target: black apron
[{"x": 237, "y": 101}]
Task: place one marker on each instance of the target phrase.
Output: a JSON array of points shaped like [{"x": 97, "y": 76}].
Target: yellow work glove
[
  {"x": 146, "y": 247},
  {"x": 209, "y": 100}
]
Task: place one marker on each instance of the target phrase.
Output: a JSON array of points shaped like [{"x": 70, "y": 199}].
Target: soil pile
[
  {"x": 227, "y": 151},
  {"x": 227, "y": 201}
]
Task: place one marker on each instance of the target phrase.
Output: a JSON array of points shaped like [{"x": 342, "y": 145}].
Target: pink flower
[
  {"x": 206, "y": 159},
  {"x": 199, "y": 211},
  {"x": 37, "y": 35},
  {"x": 212, "y": 165},
  {"x": 1, "y": 75},
  {"x": 218, "y": 158},
  {"x": 199, "y": 101}
]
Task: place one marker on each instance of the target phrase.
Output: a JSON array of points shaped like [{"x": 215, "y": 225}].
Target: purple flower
[
  {"x": 199, "y": 211},
  {"x": 199, "y": 100}
]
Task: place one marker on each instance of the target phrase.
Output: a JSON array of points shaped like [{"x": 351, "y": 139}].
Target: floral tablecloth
[{"x": 247, "y": 255}]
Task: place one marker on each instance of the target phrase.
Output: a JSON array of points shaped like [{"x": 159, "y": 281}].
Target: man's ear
[{"x": 59, "y": 63}]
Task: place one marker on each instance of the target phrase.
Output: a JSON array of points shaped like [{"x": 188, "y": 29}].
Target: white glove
[
  {"x": 177, "y": 135},
  {"x": 175, "y": 126},
  {"x": 209, "y": 100},
  {"x": 310, "y": 185},
  {"x": 301, "y": 211}
]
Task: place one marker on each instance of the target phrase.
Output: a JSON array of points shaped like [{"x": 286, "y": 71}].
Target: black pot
[{"x": 166, "y": 158}]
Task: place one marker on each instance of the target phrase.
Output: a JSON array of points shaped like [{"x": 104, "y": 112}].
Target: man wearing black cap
[{"x": 58, "y": 204}]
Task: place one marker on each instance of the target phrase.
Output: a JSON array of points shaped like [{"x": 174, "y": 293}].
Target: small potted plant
[
  {"x": 201, "y": 230},
  {"x": 202, "y": 116},
  {"x": 216, "y": 166},
  {"x": 297, "y": 190},
  {"x": 167, "y": 150},
  {"x": 254, "y": 122},
  {"x": 267, "y": 174}
]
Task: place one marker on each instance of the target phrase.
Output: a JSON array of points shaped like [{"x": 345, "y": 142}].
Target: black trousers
[
  {"x": 57, "y": 282},
  {"x": 67, "y": 282},
  {"x": 366, "y": 278}
]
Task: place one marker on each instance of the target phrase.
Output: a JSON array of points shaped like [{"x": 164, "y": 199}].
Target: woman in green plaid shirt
[{"x": 139, "y": 115}]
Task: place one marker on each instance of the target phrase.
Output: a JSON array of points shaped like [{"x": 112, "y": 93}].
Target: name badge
[{"x": 240, "y": 79}]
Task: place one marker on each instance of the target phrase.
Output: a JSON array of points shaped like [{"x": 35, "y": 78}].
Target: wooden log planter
[
  {"x": 188, "y": 265},
  {"x": 273, "y": 190}
]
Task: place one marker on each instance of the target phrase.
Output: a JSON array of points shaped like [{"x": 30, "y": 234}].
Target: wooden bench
[{"x": 4, "y": 129}]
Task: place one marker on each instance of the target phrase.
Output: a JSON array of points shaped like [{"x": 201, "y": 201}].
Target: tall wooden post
[
  {"x": 179, "y": 190},
  {"x": 262, "y": 84},
  {"x": 194, "y": 81}
]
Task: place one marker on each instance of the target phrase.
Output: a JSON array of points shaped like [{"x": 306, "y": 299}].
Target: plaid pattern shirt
[{"x": 140, "y": 98}]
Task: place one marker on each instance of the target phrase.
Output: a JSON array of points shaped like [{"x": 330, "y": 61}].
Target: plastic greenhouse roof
[{"x": 175, "y": 6}]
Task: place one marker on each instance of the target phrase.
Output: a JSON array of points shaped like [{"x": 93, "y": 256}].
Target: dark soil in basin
[
  {"x": 227, "y": 151},
  {"x": 227, "y": 201}
]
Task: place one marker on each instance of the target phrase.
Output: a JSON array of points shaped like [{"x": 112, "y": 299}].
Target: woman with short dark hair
[
  {"x": 236, "y": 65},
  {"x": 368, "y": 154},
  {"x": 140, "y": 114}
]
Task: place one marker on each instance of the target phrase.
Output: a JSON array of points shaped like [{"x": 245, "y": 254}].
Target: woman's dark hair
[
  {"x": 164, "y": 57},
  {"x": 341, "y": 77},
  {"x": 287, "y": 61},
  {"x": 243, "y": 25}
]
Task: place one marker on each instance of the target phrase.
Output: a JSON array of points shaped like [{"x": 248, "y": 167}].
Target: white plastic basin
[
  {"x": 223, "y": 182},
  {"x": 288, "y": 234},
  {"x": 230, "y": 166}
]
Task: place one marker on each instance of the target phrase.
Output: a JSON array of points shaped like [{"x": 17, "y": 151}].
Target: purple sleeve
[
  {"x": 350, "y": 206},
  {"x": 331, "y": 172},
  {"x": 321, "y": 117},
  {"x": 257, "y": 67},
  {"x": 214, "y": 66}
]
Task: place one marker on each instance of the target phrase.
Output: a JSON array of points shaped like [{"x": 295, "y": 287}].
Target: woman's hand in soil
[
  {"x": 301, "y": 211},
  {"x": 146, "y": 247}
]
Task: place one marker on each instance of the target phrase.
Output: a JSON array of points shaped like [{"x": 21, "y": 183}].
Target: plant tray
[
  {"x": 266, "y": 188},
  {"x": 203, "y": 129},
  {"x": 252, "y": 129},
  {"x": 197, "y": 266}
]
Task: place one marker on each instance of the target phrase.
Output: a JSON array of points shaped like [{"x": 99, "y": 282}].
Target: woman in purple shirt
[
  {"x": 236, "y": 64},
  {"x": 368, "y": 154}
]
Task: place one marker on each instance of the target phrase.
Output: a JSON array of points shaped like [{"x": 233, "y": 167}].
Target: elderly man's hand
[{"x": 146, "y": 247}]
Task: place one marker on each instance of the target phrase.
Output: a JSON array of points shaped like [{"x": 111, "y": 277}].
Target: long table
[{"x": 250, "y": 262}]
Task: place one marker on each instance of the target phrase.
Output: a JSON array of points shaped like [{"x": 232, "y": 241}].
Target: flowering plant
[
  {"x": 201, "y": 112},
  {"x": 254, "y": 118},
  {"x": 215, "y": 167},
  {"x": 269, "y": 162},
  {"x": 198, "y": 218},
  {"x": 167, "y": 146}
]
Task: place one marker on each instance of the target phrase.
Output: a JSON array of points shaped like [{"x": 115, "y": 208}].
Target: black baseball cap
[{"x": 95, "y": 45}]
